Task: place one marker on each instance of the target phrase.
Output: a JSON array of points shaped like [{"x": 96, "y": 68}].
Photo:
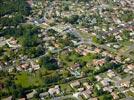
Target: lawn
[
  {"x": 73, "y": 58},
  {"x": 26, "y": 80},
  {"x": 87, "y": 58},
  {"x": 66, "y": 88},
  {"x": 70, "y": 98},
  {"x": 129, "y": 93}
]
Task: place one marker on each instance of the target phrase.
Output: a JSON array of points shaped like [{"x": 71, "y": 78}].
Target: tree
[
  {"x": 97, "y": 92},
  {"x": 13, "y": 12},
  {"x": 1, "y": 51},
  {"x": 52, "y": 78},
  {"x": 127, "y": 16},
  {"x": 49, "y": 63},
  {"x": 66, "y": 7},
  {"x": 73, "y": 19},
  {"x": 65, "y": 73},
  {"x": 29, "y": 36},
  {"x": 105, "y": 97},
  {"x": 6, "y": 58},
  {"x": 92, "y": 78},
  {"x": 97, "y": 40}
]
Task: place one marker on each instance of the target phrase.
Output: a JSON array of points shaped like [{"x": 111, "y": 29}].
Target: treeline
[{"x": 12, "y": 13}]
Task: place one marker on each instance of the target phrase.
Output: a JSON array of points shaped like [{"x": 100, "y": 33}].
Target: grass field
[
  {"x": 66, "y": 88},
  {"x": 73, "y": 58},
  {"x": 26, "y": 80}
]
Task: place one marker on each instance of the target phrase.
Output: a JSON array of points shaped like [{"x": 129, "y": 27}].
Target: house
[
  {"x": 22, "y": 99},
  {"x": 132, "y": 34},
  {"x": 24, "y": 66},
  {"x": 77, "y": 94},
  {"x": 43, "y": 95},
  {"x": 118, "y": 58},
  {"x": 86, "y": 94},
  {"x": 99, "y": 62},
  {"x": 125, "y": 83},
  {"x": 132, "y": 89},
  {"x": 75, "y": 84},
  {"x": 126, "y": 70},
  {"x": 55, "y": 90},
  {"x": 75, "y": 66},
  {"x": 1, "y": 65},
  {"x": 116, "y": 46},
  {"x": 118, "y": 37},
  {"x": 110, "y": 73},
  {"x": 31, "y": 94},
  {"x": 98, "y": 78},
  {"x": 130, "y": 66},
  {"x": 34, "y": 65},
  {"x": 115, "y": 96},
  {"x": 1, "y": 85},
  {"x": 87, "y": 85},
  {"x": 30, "y": 2},
  {"x": 75, "y": 73},
  {"x": 105, "y": 82},
  {"x": 85, "y": 52},
  {"x": 8, "y": 98},
  {"x": 2, "y": 41},
  {"x": 108, "y": 44},
  {"x": 131, "y": 40},
  {"x": 10, "y": 69},
  {"x": 105, "y": 53},
  {"x": 93, "y": 99},
  {"x": 18, "y": 68},
  {"x": 12, "y": 43},
  {"x": 80, "y": 89},
  {"x": 109, "y": 89},
  {"x": 97, "y": 50},
  {"x": 94, "y": 34}
]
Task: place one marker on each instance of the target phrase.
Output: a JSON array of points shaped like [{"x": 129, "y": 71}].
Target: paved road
[
  {"x": 126, "y": 53},
  {"x": 129, "y": 98},
  {"x": 64, "y": 97},
  {"x": 126, "y": 25},
  {"x": 122, "y": 90}
]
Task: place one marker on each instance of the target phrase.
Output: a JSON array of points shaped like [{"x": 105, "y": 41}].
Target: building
[
  {"x": 110, "y": 73},
  {"x": 22, "y": 99},
  {"x": 86, "y": 94},
  {"x": 24, "y": 66},
  {"x": 30, "y": 2},
  {"x": 31, "y": 94},
  {"x": 80, "y": 89},
  {"x": 98, "y": 78},
  {"x": 132, "y": 89},
  {"x": 8, "y": 98},
  {"x": 125, "y": 83},
  {"x": 93, "y": 99},
  {"x": 97, "y": 50},
  {"x": 34, "y": 65},
  {"x": 99, "y": 62},
  {"x": 75, "y": 66},
  {"x": 12, "y": 43},
  {"x": 55, "y": 90},
  {"x": 109, "y": 89},
  {"x": 1, "y": 85},
  {"x": 43, "y": 95},
  {"x": 130, "y": 66},
  {"x": 87, "y": 85},
  {"x": 105, "y": 82},
  {"x": 115, "y": 96},
  {"x": 75, "y": 84}
]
